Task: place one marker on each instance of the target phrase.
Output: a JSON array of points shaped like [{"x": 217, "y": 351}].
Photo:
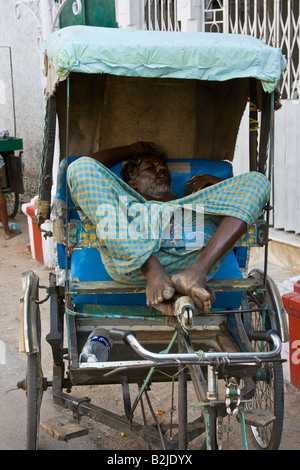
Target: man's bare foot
[
  {"x": 8, "y": 234},
  {"x": 190, "y": 283},
  {"x": 159, "y": 286}
]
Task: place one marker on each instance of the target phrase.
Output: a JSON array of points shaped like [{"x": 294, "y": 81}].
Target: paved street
[{"x": 15, "y": 258}]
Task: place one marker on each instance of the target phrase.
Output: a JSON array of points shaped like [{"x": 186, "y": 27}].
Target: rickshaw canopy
[
  {"x": 185, "y": 91},
  {"x": 158, "y": 54}
]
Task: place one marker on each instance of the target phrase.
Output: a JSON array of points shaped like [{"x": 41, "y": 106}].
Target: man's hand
[
  {"x": 143, "y": 147},
  {"x": 198, "y": 182},
  {"x": 110, "y": 157}
]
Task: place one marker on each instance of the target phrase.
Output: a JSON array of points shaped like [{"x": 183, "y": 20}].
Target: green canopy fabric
[{"x": 182, "y": 55}]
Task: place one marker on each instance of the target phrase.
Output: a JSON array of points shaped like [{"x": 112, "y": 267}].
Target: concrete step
[{"x": 284, "y": 250}]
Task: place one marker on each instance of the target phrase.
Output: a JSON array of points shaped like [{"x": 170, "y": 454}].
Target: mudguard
[{"x": 29, "y": 324}]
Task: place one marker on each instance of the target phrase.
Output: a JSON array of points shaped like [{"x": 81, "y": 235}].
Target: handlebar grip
[
  {"x": 263, "y": 335},
  {"x": 120, "y": 335}
]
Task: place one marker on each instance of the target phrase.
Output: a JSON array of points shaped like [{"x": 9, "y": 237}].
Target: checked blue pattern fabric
[{"x": 128, "y": 235}]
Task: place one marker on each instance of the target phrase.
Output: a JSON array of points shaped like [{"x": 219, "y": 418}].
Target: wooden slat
[
  {"x": 63, "y": 429},
  {"x": 259, "y": 417},
  {"x": 112, "y": 287}
]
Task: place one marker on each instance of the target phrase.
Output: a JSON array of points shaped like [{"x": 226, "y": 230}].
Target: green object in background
[
  {"x": 10, "y": 144},
  {"x": 93, "y": 13}
]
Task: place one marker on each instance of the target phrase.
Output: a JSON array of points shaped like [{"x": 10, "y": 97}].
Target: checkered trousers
[{"x": 116, "y": 210}]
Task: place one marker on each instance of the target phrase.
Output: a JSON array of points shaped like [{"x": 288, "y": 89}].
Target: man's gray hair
[{"x": 131, "y": 167}]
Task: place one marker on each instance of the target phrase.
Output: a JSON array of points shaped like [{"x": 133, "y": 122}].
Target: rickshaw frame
[{"x": 224, "y": 364}]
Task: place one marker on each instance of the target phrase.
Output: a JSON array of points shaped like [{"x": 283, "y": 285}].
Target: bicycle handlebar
[{"x": 200, "y": 356}]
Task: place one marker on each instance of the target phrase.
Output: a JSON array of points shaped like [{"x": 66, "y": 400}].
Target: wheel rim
[
  {"x": 264, "y": 399},
  {"x": 269, "y": 380}
]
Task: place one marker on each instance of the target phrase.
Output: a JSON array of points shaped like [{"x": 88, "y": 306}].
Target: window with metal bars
[
  {"x": 161, "y": 15},
  {"x": 277, "y": 23}
]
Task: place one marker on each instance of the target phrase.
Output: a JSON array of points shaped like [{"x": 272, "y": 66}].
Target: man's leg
[
  {"x": 8, "y": 233},
  {"x": 239, "y": 201},
  {"x": 192, "y": 281}
]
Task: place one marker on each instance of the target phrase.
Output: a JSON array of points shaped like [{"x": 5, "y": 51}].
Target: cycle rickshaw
[{"x": 187, "y": 92}]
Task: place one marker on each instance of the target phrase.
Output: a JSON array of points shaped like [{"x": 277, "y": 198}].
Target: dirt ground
[{"x": 15, "y": 258}]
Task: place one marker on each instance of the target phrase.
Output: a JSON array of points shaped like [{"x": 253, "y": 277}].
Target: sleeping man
[{"x": 236, "y": 203}]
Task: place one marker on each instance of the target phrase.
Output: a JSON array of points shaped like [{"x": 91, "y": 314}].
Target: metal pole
[
  {"x": 182, "y": 400},
  {"x": 271, "y": 177},
  {"x": 67, "y": 188}
]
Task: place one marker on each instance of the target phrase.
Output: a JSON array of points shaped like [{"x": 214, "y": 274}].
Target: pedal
[
  {"x": 63, "y": 428},
  {"x": 248, "y": 391},
  {"x": 258, "y": 417},
  {"x": 184, "y": 307}
]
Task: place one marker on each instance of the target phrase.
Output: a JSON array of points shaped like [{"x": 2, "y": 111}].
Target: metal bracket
[
  {"x": 75, "y": 406},
  {"x": 126, "y": 397},
  {"x": 263, "y": 234}
]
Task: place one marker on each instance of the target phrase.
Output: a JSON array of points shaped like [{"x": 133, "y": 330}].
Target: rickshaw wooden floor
[{"x": 209, "y": 333}]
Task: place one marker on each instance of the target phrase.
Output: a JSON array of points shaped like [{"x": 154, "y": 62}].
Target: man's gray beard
[{"x": 153, "y": 189}]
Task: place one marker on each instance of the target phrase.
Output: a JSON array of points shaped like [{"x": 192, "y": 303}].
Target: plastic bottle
[{"x": 97, "y": 347}]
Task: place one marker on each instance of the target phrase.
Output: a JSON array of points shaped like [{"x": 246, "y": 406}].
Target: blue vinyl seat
[{"x": 86, "y": 265}]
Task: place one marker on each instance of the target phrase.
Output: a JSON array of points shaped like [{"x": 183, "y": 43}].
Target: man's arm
[{"x": 110, "y": 157}]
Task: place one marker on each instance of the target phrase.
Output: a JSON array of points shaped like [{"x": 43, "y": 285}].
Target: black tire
[
  {"x": 34, "y": 392},
  {"x": 269, "y": 391},
  {"x": 12, "y": 204}
]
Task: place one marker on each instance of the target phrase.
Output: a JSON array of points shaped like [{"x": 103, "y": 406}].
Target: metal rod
[
  {"x": 67, "y": 186},
  {"x": 271, "y": 179},
  {"x": 149, "y": 375},
  {"x": 205, "y": 356},
  {"x": 113, "y": 420},
  {"x": 212, "y": 383},
  {"x": 182, "y": 409},
  {"x": 182, "y": 399}
]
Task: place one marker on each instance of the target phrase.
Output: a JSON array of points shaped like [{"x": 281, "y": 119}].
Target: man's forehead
[{"x": 152, "y": 159}]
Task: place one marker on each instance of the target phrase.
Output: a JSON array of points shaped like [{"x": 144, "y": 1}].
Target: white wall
[
  {"x": 286, "y": 163},
  {"x": 189, "y": 13},
  {"x": 21, "y": 35},
  {"x": 287, "y": 166},
  {"x": 129, "y": 13}
]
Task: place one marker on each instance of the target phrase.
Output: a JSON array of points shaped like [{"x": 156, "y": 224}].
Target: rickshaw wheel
[
  {"x": 34, "y": 393},
  {"x": 269, "y": 392},
  {"x": 12, "y": 204}
]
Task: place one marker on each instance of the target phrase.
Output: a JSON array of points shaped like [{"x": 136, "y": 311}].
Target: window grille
[
  {"x": 161, "y": 15},
  {"x": 276, "y": 22}
]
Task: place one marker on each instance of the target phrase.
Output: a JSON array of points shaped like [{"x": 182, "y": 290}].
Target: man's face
[{"x": 154, "y": 178}]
